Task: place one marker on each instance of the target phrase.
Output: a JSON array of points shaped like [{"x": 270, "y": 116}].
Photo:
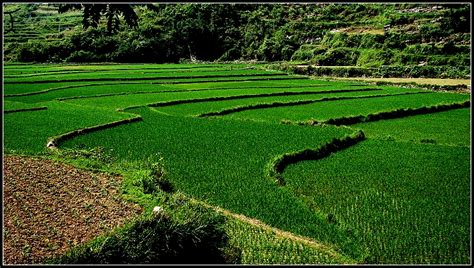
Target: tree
[
  {"x": 92, "y": 14},
  {"x": 11, "y": 18}
]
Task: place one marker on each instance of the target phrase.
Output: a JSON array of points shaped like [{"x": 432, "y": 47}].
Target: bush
[
  {"x": 336, "y": 40},
  {"x": 371, "y": 41},
  {"x": 337, "y": 57},
  {"x": 307, "y": 52},
  {"x": 40, "y": 51},
  {"x": 193, "y": 235},
  {"x": 83, "y": 56},
  {"x": 375, "y": 57},
  {"x": 336, "y": 71}
]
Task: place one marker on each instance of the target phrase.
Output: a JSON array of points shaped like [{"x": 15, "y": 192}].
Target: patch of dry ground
[{"x": 50, "y": 207}]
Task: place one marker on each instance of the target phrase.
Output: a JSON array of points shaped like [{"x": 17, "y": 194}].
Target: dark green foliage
[
  {"x": 83, "y": 56},
  {"x": 385, "y": 71},
  {"x": 332, "y": 71},
  {"x": 93, "y": 12},
  {"x": 457, "y": 19},
  {"x": 157, "y": 180},
  {"x": 307, "y": 52},
  {"x": 339, "y": 56},
  {"x": 195, "y": 236},
  {"x": 375, "y": 57},
  {"x": 207, "y": 32},
  {"x": 95, "y": 154},
  {"x": 428, "y": 141},
  {"x": 25, "y": 110},
  {"x": 40, "y": 51}
]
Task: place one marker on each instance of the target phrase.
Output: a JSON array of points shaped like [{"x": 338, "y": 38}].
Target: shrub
[
  {"x": 375, "y": 57},
  {"x": 371, "y": 41},
  {"x": 337, "y": 57},
  {"x": 307, "y": 52},
  {"x": 40, "y": 51},
  {"x": 192, "y": 235},
  {"x": 83, "y": 56}
]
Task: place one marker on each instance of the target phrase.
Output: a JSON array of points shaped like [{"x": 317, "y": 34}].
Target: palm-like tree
[{"x": 93, "y": 13}]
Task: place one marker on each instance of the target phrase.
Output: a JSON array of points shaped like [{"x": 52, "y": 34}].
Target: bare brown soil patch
[{"x": 50, "y": 207}]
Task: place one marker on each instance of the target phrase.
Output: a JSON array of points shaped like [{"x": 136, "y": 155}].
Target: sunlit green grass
[
  {"x": 36, "y": 68},
  {"x": 263, "y": 246},
  {"x": 67, "y": 73},
  {"x": 449, "y": 127},
  {"x": 122, "y": 101},
  {"x": 193, "y": 109},
  {"x": 406, "y": 202},
  {"x": 94, "y": 89},
  {"x": 28, "y": 132},
  {"x": 13, "y": 105},
  {"x": 402, "y": 196},
  {"x": 85, "y": 76},
  {"x": 41, "y": 88},
  {"x": 223, "y": 163},
  {"x": 334, "y": 109}
]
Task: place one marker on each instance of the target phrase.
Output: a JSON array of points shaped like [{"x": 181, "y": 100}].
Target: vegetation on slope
[{"x": 363, "y": 35}]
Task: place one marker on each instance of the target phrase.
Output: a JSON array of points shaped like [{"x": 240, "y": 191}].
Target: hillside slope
[{"x": 362, "y": 35}]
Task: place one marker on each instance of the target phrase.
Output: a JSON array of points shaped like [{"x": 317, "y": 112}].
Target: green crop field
[{"x": 260, "y": 144}]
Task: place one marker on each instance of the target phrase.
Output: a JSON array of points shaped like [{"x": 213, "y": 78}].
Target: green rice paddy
[{"x": 402, "y": 195}]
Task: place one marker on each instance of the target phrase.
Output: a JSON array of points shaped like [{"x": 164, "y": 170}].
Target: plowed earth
[{"x": 50, "y": 207}]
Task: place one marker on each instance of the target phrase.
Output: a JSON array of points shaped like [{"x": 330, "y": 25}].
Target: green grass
[
  {"x": 406, "y": 202},
  {"x": 193, "y": 109},
  {"x": 401, "y": 196},
  {"x": 27, "y": 132},
  {"x": 12, "y": 105},
  {"x": 223, "y": 163},
  {"x": 449, "y": 127},
  {"x": 29, "y": 89},
  {"x": 31, "y": 68},
  {"x": 264, "y": 246},
  {"x": 122, "y": 101},
  {"x": 334, "y": 109},
  {"x": 128, "y": 75},
  {"x": 63, "y": 73},
  {"x": 95, "y": 89}
]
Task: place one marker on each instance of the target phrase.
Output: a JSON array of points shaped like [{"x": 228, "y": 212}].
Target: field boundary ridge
[
  {"x": 236, "y": 109},
  {"x": 180, "y": 91},
  {"x": 53, "y": 142},
  {"x": 26, "y": 109},
  {"x": 141, "y": 78},
  {"x": 278, "y": 232},
  {"x": 384, "y": 115},
  {"x": 247, "y": 96},
  {"x": 275, "y": 167}
]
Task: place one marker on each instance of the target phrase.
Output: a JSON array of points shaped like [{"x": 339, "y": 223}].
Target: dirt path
[
  {"x": 305, "y": 240},
  {"x": 50, "y": 207}
]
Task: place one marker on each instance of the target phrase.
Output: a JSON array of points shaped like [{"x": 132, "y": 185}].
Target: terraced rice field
[
  {"x": 247, "y": 140},
  {"x": 39, "y": 24}
]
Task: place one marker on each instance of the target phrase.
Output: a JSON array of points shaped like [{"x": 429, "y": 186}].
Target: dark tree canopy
[{"x": 93, "y": 13}]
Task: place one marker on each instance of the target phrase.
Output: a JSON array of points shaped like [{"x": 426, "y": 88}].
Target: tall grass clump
[{"x": 192, "y": 234}]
